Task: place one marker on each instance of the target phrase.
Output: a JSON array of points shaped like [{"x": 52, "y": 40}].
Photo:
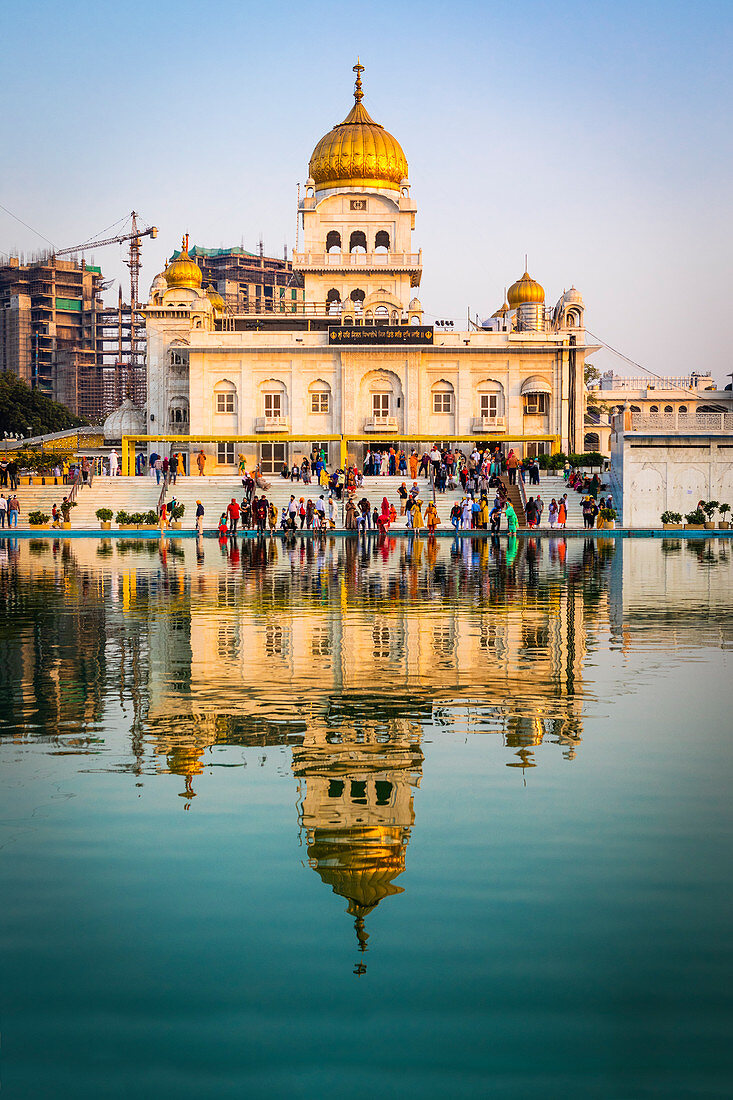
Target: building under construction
[
  {"x": 58, "y": 337},
  {"x": 249, "y": 282}
]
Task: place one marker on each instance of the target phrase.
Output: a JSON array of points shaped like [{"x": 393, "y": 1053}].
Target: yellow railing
[{"x": 129, "y": 442}]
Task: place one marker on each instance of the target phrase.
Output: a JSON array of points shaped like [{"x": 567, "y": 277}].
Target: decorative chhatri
[{"x": 358, "y": 152}]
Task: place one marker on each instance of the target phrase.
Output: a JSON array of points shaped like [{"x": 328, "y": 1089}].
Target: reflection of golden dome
[
  {"x": 525, "y": 290},
  {"x": 183, "y": 271},
  {"x": 359, "y": 863},
  {"x": 215, "y": 298},
  {"x": 358, "y": 152}
]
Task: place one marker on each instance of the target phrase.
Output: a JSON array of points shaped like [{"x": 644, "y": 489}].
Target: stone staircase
[
  {"x": 132, "y": 494},
  {"x": 138, "y": 494}
]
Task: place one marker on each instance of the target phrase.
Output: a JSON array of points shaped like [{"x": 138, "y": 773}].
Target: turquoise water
[{"x": 381, "y": 819}]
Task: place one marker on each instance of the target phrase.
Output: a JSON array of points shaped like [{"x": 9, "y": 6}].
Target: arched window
[
  {"x": 381, "y": 315},
  {"x": 682, "y": 409},
  {"x": 178, "y": 414},
  {"x": 490, "y": 398},
  {"x": 357, "y": 241},
  {"x": 320, "y": 397},
  {"x": 225, "y": 397},
  {"x": 333, "y": 301},
  {"x": 442, "y": 392},
  {"x": 368, "y": 317},
  {"x": 654, "y": 408},
  {"x": 333, "y": 241},
  {"x": 591, "y": 441},
  {"x": 573, "y": 320},
  {"x": 381, "y": 241},
  {"x": 635, "y": 409},
  {"x": 668, "y": 409},
  {"x": 395, "y": 318},
  {"x": 273, "y": 398},
  {"x": 357, "y": 297}
]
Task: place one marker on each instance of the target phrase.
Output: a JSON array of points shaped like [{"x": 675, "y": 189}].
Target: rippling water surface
[{"x": 390, "y": 819}]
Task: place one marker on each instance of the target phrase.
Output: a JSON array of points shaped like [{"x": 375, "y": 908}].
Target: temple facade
[{"x": 354, "y": 353}]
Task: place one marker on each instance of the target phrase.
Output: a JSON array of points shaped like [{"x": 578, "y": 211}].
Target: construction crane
[{"x": 134, "y": 263}]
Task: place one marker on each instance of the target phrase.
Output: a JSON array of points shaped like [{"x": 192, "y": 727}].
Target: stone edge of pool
[{"x": 545, "y": 532}]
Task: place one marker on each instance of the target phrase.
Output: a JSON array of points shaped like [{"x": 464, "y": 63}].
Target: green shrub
[
  {"x": 122, "y": 518},
  {"x": 178, "y": 511},
  {"x": 607, "y": 513},
  {"x": 671, "y": 517},
  {"x": 724, "y": 509},
  {"x": 150, "y": 517},
  {"x": 696, "y": 518},
  {"x": 104, "y": 514},
  {"x": 38, "y": 519},
  {"x": 66, "y": 506},
  {"x": 710, "y": 507}
]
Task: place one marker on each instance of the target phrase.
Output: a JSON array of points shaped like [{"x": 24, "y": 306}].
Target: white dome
[
  {"x": 415, "y": 304},
  {"x": 572, "y": 296},
  {"x": 158, "y": 283},
  {"x": 127, "y": 420}
]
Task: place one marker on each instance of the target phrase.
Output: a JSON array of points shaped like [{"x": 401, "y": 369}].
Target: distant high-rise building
[{"x": 49, "y": 331}]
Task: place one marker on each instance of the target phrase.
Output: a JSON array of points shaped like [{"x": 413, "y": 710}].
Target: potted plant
[
  {"x": 38, "y": 519},
  {"x": 176, "y": 516},
  {"x": 672, "y": 521},
  {"x": 122, "y": 519},
  {"x": 696, "y": 520},
  {"x": 104, "y": 515},
  {"x": 150, "y": 519},
  {"x": 66, "y": 506},
  {"x": 724, "y": 509},
  {"x": 710, "y": 507},
  {"x": 608, "y": 515}
]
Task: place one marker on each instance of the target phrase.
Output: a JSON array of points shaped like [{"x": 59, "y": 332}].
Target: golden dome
[
  {"x": 215, "y": 298},
  {"x": 358, "y": 152},
  {"x": 183, "y": 271},
  {"x": 525, "y": 290},
  {"x": 501, "y": 310}
]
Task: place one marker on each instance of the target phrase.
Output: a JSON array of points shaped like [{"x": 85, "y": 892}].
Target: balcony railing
[
  {"x": 682, "y": 422},
  {"x": 272, "y": 424},
  {"x": 380, "y": 424},
  {"x": 357, "y": 261},
  {"x": 488, "y": 424}
]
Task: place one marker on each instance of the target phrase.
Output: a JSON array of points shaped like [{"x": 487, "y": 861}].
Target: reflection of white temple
[{"x": 356, "y": 808}]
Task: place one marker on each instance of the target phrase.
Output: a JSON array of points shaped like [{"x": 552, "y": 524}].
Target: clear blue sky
[{"x": 594, "y": 137}]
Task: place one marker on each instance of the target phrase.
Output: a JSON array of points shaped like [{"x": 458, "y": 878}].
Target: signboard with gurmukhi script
[{"x": 381, "y": 334}]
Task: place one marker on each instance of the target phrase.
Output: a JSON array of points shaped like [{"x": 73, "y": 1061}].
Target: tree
[
  {"x": 22, "y": 408},
  {"x": 591, "y": 374}
]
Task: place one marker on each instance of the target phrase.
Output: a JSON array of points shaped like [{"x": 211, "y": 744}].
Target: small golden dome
[
  {"x": 217, "y": 302},
  {"x": 183, "y": 271},
  {"x": 525, "y": 290},
  {"x": 358, "y": 152},
  {"x": 502, "y": 310}
]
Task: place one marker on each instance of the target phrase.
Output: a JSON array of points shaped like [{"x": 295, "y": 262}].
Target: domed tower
[
  {"x": 358, "y": 219},
  {"x": 527, "y": 297},
  {"x": 569, "y": 312}
]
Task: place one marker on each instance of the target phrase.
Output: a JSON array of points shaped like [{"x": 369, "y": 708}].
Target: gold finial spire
[
  {"x": 358, "y": 69},
  {"x": 184, "y": 243}
]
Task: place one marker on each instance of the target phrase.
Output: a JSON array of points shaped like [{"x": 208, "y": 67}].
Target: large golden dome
[
  {"x": 183, "y": 271},
  {"x": 358, "y": 152},
  {"x": 525, "y": 290}
]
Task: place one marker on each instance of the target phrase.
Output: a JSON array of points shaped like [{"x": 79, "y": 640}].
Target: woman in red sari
[{"x": 383, "y": 518}]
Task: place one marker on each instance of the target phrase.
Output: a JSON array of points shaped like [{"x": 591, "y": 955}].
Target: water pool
[{"x": 420, "y": 820}]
